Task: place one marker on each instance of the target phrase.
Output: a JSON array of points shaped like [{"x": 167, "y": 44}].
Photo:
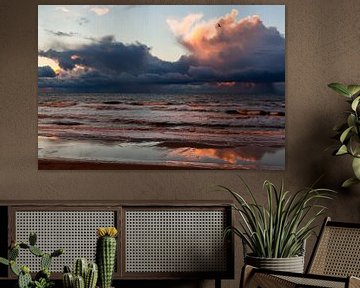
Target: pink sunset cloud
[{"x": 227, "y": 42}]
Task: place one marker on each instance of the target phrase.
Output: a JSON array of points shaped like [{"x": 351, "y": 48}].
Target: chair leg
[
  {"x": 246, "y": 274},
  {"x": 217, "y": 283}
]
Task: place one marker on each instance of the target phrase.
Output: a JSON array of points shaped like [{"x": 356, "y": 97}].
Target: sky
[{"x": 94, "y": 47}]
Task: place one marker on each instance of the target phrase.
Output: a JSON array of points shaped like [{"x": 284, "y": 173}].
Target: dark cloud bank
[{"x": 108, "y": 65}]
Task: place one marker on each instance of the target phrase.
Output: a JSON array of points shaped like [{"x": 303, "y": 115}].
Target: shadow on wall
[{"x": 315, "y": 158}]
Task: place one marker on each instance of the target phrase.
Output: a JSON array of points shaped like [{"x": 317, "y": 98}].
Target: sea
[{"x": 204, "y": 131}]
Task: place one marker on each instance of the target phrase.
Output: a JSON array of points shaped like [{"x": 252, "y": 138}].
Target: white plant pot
[{"x": 291, "y": 264}]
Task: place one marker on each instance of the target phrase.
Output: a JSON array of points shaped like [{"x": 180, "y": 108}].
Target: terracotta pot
[{"x": 291, "y": 264}]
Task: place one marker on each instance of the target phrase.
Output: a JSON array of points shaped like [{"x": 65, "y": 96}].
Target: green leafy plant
[
  {"x": 279, "y": 229},
  {"x": 349, "y": 131},
  {"x": 43, "y": 283},
  {"x": 42, "y": 278}
]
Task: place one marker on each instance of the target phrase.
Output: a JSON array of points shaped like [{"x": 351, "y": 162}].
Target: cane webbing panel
[
  {"x": 260, "y": 280},
  {"x": 338, "y": 252},
  {"x": 75, "y": 231},
  {"x": 175, "y": 241},
  {"x": 313, "y": 282}
]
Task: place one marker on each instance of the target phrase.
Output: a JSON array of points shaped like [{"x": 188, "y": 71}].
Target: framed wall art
[{"x": 161, "y": 87}]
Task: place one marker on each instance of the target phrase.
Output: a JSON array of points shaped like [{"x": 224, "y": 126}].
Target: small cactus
[
  {"x": 89, "y": 272},
  {"x": 45, "y": 261},
  {"x": 79, "y": 282},
  {"x": 25, "y": 269},
  {"x": 36, "y": 251},
  {"x": 14, "y": 268},
  {"x": 42, "y": 278},
  {"x": 67, "y": 269},
  {"x": 80, "y": 268},
  {"x": 32, "y": 238},
  {"x": 106, "y": 254},
  {"x": 68, "y": 280},
  {"x": 91, "y": 276},
  {"x": 57, "y": 252},
  {"x": 24, "y": 277},
  {"x": 13, "y": 253}
]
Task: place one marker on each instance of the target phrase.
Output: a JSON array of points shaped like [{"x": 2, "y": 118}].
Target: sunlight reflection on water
[{"x": 152, "y": 153}]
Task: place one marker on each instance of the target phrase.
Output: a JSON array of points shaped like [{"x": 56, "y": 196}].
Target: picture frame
[{"x": 161, "y": 87}]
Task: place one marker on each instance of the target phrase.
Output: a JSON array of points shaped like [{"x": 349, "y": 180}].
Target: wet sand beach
[{"x": 93, "y": 165}]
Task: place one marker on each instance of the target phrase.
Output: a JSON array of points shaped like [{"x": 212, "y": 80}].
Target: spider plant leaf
[
  {"x": 242, "y": 235},
  {"x": 237, "y": 197},
  {"x": 248, "y": 190},
  {"x": 279, "y": 228}
]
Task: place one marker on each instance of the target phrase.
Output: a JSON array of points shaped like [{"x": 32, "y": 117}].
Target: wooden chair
[{"x": 334, "y": 263}]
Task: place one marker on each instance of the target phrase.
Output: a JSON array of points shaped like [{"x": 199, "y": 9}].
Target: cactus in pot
[
  {"x": 25, "y": 279},
  {"x": 42, "y": 278},
  {"x": 91, "y": 276},
  {"x": 106, "y": 254},
  {"x": 68, "y": 278},
  {"x": 80, "y": 268},
  {"x": 79, "y": 282},
  {"x": 85, "y": 275}
]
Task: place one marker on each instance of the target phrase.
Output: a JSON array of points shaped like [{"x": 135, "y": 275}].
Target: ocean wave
[
  {"x": 190, "y": 109},
  {"x": 207, "y": 120},
  {"x": 66, "y": 123},
  {"x": 192, "y": 124},
  {"x": 202, "y": 139},
  {"x": 255, "y": 112},
  {"x": 59, "y": 104}
]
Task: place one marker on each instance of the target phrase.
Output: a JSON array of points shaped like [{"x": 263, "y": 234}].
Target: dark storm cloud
[
  {"x": 46, "y": 71},
  {"x": 107, "y": 57}
]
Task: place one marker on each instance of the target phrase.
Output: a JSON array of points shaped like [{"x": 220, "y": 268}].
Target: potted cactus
[
  {"x": 106, "y": 254},
  {"x": 42, "y": 278},
  {"x": 84, "y": 275}
]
